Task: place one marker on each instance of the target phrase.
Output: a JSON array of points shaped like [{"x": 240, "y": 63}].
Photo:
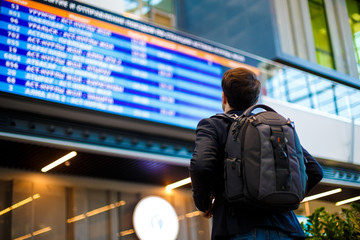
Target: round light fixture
[{"x": 155, "y": 219}]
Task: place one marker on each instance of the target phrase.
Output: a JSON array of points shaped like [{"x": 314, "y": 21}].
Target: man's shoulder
[
  {"x": 217, "y": 124},
  {"x": 217, "y": 119}
]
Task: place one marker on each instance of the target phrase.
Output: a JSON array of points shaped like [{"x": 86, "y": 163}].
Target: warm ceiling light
[
  {"x": 193, "y": 214},
  {"x": 59, "y": 161},
  {"x": 178, "y": 184},
  {"x": 44, "y": 230},
  {"x": 126, "y": 232},
  {"x": 347, "y": 201},
  {"x": 24, "y": 237},
  {"x": 320, "y": 195},
  {"x": 76, "y": 218},
  {"x": 96, "y": 211},
  {"x": 19, "y": 204}
]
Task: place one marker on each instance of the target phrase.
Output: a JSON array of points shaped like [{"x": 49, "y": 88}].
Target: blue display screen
[{"x": 77, "y": 55}]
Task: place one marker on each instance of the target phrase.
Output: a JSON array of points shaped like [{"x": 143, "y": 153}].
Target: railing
[{"x": 305, "y": 89}]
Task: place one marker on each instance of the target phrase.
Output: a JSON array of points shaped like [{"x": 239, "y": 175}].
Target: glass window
[
  {"x": 159, "y": 11},
  {"x": 163, "y": 5},
  {"x": 132, "y": 6},
  {"x": 353, "y": 8},
  {"x": 146, "y": 8},
  {"x": 5, "y": 202},
  {"x": 162, "y": 19},
  {"x": 321, "y": 33},
  {"x": 41, "y": 210}
]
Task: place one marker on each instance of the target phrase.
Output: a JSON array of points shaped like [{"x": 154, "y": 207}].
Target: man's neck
[{"x": 227, "y": 108}]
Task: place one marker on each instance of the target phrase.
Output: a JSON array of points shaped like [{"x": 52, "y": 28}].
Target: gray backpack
[{"x": 264, "y": 164}]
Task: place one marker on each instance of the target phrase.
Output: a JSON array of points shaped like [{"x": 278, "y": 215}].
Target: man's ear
[{"x": 224, "y": 99}]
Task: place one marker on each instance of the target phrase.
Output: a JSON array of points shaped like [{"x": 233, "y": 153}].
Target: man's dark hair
[{"x": 241, "y": 88}]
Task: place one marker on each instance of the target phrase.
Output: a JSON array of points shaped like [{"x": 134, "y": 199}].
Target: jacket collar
[{"x": 237, "y": 112}]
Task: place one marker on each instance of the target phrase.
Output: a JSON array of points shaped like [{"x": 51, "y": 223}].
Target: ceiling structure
[
  {"x": 23, "y": 153},
  {"x": 32, "y": 157}
]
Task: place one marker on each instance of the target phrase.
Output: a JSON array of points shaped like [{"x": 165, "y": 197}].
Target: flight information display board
[{"x": 78, "y": 55}]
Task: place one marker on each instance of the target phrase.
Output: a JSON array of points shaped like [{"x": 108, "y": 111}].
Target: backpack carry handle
[{"x": 252, "y": 108}]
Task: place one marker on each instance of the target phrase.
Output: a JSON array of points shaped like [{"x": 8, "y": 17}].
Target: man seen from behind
[{"x": 241, "y": 89}]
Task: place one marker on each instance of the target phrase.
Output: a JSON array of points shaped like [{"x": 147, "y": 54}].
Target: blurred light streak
[
  {"x": 347, "y": 201},
  {"x": 76, "y": 218},
  {"x": 177, "y": 184},
  {"x": 320, "y": 195},
  {"x": 96, "y": 211},
  {"x": 43, "y": 230},
  {"x": 59, "y": 161},
  {"x": 189, "y": 215},
  {"x": 126, "y": 232},
  {"x": 23, "y": 237},
  {"x": 193, "y": 214},
  {"x": 19, "y": 204}
]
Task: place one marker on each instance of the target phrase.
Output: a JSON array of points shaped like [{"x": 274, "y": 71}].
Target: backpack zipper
[{"x": 242, "y": 137}]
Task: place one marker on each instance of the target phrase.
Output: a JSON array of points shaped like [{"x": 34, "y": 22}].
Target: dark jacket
[{"x": 206, "y": 170}]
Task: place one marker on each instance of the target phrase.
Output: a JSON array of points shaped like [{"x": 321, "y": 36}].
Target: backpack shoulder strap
[
  {"x": 231, "y": 144},
  {"x": 248, "y": 111},
  {"x": 229, "y": 116}
]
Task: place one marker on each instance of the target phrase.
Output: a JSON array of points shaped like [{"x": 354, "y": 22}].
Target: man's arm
[
  {"x": 203, "y": 164},
  {"x": 313, "y": 170}
]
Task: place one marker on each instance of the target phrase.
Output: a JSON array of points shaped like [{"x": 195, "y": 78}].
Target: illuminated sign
[
  {"x": 77, "y": 55},
  {"x": 155, "y": 219}
]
